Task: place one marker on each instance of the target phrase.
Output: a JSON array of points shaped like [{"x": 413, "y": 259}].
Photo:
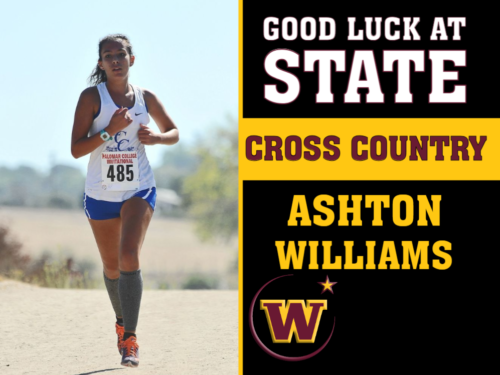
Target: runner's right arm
[{"x": 87, "y": 107}]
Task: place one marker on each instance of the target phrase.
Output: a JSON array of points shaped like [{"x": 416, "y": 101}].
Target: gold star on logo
[{"x": 327, "y": 285}]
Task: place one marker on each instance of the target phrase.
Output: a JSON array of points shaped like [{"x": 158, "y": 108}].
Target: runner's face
[{"x": 115, "y": 59}]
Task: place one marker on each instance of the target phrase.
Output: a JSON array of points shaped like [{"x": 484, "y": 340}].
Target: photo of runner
[
  {"x": 120, "y": 214},
  {"x": 119, "y": 188}
]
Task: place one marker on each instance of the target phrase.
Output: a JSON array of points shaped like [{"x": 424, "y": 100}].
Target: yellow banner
[{"x": 467, "y": 147}]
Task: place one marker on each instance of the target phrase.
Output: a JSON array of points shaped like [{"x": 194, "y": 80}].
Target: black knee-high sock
[
  {"x": 130, "y": 291},
  {"x": 112, "y": 287}
]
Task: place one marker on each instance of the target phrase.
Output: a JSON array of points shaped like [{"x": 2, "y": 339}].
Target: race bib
[{"x": 120, "y": 171}]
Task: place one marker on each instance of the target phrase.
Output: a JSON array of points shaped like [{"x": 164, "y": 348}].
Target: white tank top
[{"x": 125, "y": 140}]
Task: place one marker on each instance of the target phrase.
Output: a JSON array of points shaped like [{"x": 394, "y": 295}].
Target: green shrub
[
  {"x": 60, "y": 273},
  {"x": 200, "y": 282}
]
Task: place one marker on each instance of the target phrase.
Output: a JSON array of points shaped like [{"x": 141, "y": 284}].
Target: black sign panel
[
  {"x": 477, "y": 75},
  {"x": 392, "y": 320}
]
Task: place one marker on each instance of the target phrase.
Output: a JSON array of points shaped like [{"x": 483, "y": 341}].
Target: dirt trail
[{"x": 67, "y": 331}]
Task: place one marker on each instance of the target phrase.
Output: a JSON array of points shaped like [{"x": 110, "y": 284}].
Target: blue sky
[{"x": 186, "y": 52}]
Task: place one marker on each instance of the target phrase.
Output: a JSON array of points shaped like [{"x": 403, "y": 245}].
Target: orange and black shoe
[
  {"x": 119, "y": 332},
  {"x": 130, "y": 352}
]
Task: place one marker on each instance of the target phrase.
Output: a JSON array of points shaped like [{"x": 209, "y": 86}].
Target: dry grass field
[{"x": 170, "y": 254}]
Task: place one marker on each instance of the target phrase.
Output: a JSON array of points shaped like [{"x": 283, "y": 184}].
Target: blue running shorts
[{"x": 103, "y": 210}]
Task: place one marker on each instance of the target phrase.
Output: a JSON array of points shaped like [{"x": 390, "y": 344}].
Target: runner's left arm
[{"x": 169, "y": 134}]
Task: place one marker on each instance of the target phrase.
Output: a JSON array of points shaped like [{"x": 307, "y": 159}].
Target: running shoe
[
  {"x": 130, "y": 352},
  {"x": 119, "y": 332}
]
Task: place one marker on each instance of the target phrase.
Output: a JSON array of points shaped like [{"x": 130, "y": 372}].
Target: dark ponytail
[{"x": 98, "y": 75}]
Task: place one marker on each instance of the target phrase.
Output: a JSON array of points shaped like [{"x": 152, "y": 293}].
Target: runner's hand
[
  {"x": 119, "y": 121},
  {"x": 147, "y": 136}
]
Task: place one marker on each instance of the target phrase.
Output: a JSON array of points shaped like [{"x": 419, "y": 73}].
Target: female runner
[{"x": 111, "y": 125}]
